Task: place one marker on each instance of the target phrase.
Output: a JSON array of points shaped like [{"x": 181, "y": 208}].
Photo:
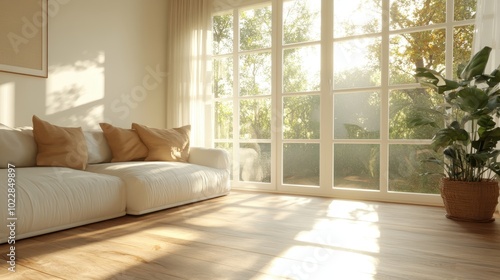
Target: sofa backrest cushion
[
  {"x": 165, "y": 144},
  {"x": 59, "y": 146},
  {"x": 17, "y": 146},
  {"x": 125, "y": 144},
  {"x": 98, "y": 149}
]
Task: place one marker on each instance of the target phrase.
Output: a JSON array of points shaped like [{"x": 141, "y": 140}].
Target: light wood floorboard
[{"x": 251, "y": 235}]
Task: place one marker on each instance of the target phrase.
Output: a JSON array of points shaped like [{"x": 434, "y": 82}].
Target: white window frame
[{"x": 327, "y": 140}]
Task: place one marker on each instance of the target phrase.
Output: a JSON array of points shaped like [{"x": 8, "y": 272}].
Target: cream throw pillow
[
  {"x": 98, "y": 147},
  {"x": 125, "y": 144},
  {"x": 59, "y": 146},
  {"x": 17, "y": 146},
  {"x": 165, "y": 144}
]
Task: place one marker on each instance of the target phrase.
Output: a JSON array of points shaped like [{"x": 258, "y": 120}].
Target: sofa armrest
[{"x": 211, "y": 157}]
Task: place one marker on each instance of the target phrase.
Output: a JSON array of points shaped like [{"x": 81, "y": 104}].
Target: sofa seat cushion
[
  {"x": 56, "y": 198},
  {"x": 156, "y": 185}
]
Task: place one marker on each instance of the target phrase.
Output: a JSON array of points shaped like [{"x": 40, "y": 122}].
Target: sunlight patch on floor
[
  {"x": 342, "y": 245},
  {"x": 359, "y": 211},
  {"x": 315, "y": 262},
  {"x": 343, "y": 234}
]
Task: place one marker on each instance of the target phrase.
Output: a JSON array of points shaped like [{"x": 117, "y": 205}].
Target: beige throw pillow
[
  {"x": 125, "y": 144},
  {"x": 165, "y": 144},
  {"x": 17, "y": 147},
  {"x": 59, "y": 146},
  {"x": 98, "y": 147}
]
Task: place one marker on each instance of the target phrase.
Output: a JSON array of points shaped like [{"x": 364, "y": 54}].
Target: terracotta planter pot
[{"x": 470, "y": 201}]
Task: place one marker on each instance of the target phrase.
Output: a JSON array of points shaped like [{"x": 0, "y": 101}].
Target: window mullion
[
  {"x": 326, "y": 105},
  {"x": 384, "y": 94},
  {"x": 277, "y": 94},
  {"x": 449, "y": 38},
  {"x": 236, "y": 86}
]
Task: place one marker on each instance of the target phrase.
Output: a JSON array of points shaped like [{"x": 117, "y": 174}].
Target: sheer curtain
[
  {"x": 487, "y": 33},
  {"x": 188, "y": 96}
]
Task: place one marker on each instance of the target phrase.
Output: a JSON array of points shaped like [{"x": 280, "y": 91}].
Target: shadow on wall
[
  {"x": 74, "y": 92},
  {"x": 104, "y": 61}
]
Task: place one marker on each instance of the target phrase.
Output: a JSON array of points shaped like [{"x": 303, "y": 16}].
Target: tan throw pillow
[
  {"x": 59, "y": 146},
  {"x": 165, "y": 144},
  {"x": 125, "y": 144}
]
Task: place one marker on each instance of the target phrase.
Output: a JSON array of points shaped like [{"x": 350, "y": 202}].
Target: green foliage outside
[{"x": 301, "y": 84}]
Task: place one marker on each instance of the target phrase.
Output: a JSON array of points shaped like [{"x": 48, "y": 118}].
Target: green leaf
[
  {"x": 492, "y": 135},
  {"x": 455, "y": 125},
  {"x": 476, "y": 65},
  {"x": 477, "y": 160},
  {"x": 434, "y": 160},
  {"x": 421, "y": 121},
  {"x": 487, "y": 141},
  {"x": 433, "y": 79},
  {"x": 495, "y": 167},
  {"x": 450, "y": 152},
  {"x": 486, "y": 121},
  {"x": 493, "y": 103},
  {"x": 472, "y": 99},
  {"x": 493, "y": 91},
  {"x": 460, "y": 68},
  {"x": 448, "y": 136},
  {"x": 495, "y": 77}
]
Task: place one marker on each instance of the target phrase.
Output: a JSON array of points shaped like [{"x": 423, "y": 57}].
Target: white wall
[{"x": 106, "y": 62}]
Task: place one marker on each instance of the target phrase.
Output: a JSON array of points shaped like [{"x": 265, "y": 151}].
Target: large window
[{"x": 314, "y": 96}]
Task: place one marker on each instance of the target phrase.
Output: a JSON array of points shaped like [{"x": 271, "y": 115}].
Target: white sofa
[{"x": 49, "y": 199}]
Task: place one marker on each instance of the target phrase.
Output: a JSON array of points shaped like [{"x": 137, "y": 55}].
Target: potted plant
[{"x": 468, "y": 141}]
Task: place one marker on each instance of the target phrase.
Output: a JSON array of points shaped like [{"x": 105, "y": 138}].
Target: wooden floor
[{"x": 249, "y": 235}]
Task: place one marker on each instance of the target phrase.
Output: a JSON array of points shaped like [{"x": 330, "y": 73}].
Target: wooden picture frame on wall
[{"x": 24, "y": 37}]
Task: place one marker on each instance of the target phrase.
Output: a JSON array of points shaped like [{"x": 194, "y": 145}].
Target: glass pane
[
  {"x": 255, "y": 28},
  {"x": 255, "y": 118},
  {"x": 229, "y": 148},
  {"x": 412, "y": 50},
  {"x": 356, "y": 17},
  {"x": 301, "y": 115},
  {"x": 356, "y": 166},
  {"x": 301, "y": 69},
  {"x": 409, "y": 104},
  {"x": 223, "y": 77},
  {"x": 356, "y": 63},
  {"x": 222, "y": 34},
  {"x": 406, "y": 167},
  {"x": 412, "y": 13},
  {"x": 465, "y": 9},
  {"x": 301, "y": 21},
  {"x": 301, "y": 164},
  {"x": 462, "y": 47},
  {"x": 255, "y": 162},
  {"x": 357, "y": 115},
  {"x": 255, "y": 74},
  {"x": 223, "y": 120}
]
